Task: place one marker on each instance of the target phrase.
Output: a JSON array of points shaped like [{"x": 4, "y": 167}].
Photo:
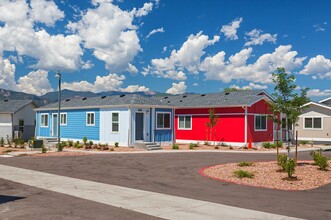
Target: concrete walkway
[{"x": 151, "y": 203}]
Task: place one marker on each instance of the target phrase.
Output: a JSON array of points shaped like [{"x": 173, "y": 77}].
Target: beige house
[{"x": 315, "y": 122}]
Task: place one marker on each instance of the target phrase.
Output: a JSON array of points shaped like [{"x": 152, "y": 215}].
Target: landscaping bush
[
  {"x": 216, "y": 148},
  {"x": 84, "y": 140},
  {"x": 290, "y": 167},
  {"x": 282, "y": 158},
  {"x": 206, "y": 143},
  {"x": 319, "y": 159},
  {"x": 43, "y": 149},
  {"x": 280, "y": 143},
  {"x": 59, "y": 147},
  {"x": 303, "y": 142},
  {"x": 224, "y": 145},
  {"x": 111, "y": 149},
  {"x": 116, "y": 144},
  {"x": 175, "y": 147},
  {"x": 243, "y": 174},
  {"x": 70, "y": 143},
  {"x": 63, "y": 143},
  {"x": 76, "y": 145},
  {"x": 91, "y": 143},
  {"x": 269, "y": 145},
  {"x": 231, "y": 148},
  {"x": 245, "y": 164},
  {"x": 192, "y": 146}
]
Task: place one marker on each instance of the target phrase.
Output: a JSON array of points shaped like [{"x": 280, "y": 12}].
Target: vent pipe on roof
[
  {"x": 84, "y": 98},
  {"x": 122, "y": 95},
  {"x": 6, "y": 100},
  {"x": 203, "y": 94},
  {"x": 227, "y": 93},
  {"x": 67, "y": 100},
  {"x": 102, "y": 97}
]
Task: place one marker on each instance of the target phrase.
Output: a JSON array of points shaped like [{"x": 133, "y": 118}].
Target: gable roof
[
  {"x": 223, "y": 99},
  {"x": 318, "y": 104},
  {"x": 12, "y": 106},
  {"x": 106, "y": 101}
]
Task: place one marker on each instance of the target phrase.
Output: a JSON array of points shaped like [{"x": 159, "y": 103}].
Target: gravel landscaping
[{"x": 269, "y": 175}]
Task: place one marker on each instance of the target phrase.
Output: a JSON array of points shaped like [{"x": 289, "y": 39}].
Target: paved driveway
[{"x": 171, "y": 173}]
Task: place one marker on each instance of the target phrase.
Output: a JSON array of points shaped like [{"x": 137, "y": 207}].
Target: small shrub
[
  {"x": 116, "y": 144},
  {"x": 231, "y": 148},
  {"x": 243, "y": 174},
  {"x": 111, "y": 149},
  {"x": 320, "y": 160},
  {"x": 245, "y": 147},
  {"x": 91, "y": 143},
  {"x": 290, "y": 167},
  {"x": 269, "y": 145},
  {"x": 206, "y": 143},
  {"x": 192, "y": 146},
  {"x": 216, "y": 148},
  {"x": 43, "y": 149},
  {"x": 280, "y": 144},
  {"x": 224, "y": 145},
  {"x": 84, "y": 140},
  {"x": 2, "y": 142},
  {"x": 245, "y": 164},
  {"x": 303, "y": 142},
  {"x": 282, "y": 158},
  {"x": 76, "y": 144},
  {"x": 59, "y": 147},
  {"x": 70, "y": 143},
  {"x": 175, "y": 147},
  {"x": 63, "y": 143}
]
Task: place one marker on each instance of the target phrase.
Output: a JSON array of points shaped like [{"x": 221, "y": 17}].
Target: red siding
[
  {"x": 260, "y": 107},
  {"x": 230, "y": 128},
  {"x": 231, "y": 125}
]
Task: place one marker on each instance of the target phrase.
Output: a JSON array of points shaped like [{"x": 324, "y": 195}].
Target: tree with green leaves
[
  {"x": 232, "y": 89},
  {"x": 213, "y": 120},
  {"x": 287, "y": 100}
]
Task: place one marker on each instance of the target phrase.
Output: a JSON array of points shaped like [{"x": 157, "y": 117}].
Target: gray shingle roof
[
  {"x": 104, "y": 101},
  {"x": 11, "y": 106},
  {"x": 223, "y": 99},
  {"x": 239, "y": 98}
]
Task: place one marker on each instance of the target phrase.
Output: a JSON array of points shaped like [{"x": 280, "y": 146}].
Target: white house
[{"x": 17, "y": 119}]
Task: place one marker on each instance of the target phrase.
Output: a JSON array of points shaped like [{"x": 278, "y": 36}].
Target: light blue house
[{"x": 126, "y": 119}]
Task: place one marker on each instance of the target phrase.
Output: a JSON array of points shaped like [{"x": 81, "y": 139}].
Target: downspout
[
  {"x": 153, "y": 124},
  {"x": 129, "y": 131},
  {"x": 245, "y": 125}
]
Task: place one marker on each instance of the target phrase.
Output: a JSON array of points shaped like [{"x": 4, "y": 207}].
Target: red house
[{"x": 241, "y": 117}]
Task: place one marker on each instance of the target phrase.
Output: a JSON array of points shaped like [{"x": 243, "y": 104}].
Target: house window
[
  {"x": 260, "y": 122},
  {"x": 21, "y": 125},
  {"x": 63, "y": 119},
  {"x": 115, "y": 122},
  {"x": 185, "y": 122},
  {"x": 44, "y": 120},
  {"x": 313, "y": 123},
  {"x": 163, "y": 120},
  {"x": 90, "y": 118}
]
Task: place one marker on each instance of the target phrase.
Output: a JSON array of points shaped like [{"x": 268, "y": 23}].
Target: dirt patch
[
  {"x": 5, "y": 150},
  {"x": 268, "y": 175},
  {"x": 59, "y": 154}
]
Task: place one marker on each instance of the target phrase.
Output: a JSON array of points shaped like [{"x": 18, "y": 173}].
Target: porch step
[{"x": 147, "y": 145}]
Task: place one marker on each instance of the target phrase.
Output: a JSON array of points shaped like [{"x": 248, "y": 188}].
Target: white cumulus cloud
[
  {"x": 256, "y": 37},
  {"x": 45, "y": 12},
  {"x": 319, "y": 93},
  {"x": 36, "y": 82},
  {"x": 230, "y": 30},
  {"x": 318, "y": 66},
  {"x": 135, "y": 88},
  {"x": 250, "y": 86},
  {"x": 187, "y": 58},
  {"x": 177, "y": 88}
]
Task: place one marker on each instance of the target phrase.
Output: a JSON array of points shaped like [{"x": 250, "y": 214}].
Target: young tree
[
  {"x": 213, "y": 120},
  {"x": 287, "y": 100}
]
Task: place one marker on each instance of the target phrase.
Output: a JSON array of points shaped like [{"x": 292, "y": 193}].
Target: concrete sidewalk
[{"x": 151, "y": 203}]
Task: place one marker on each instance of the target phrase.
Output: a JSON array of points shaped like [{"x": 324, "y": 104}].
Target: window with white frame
[
  {"x": 44, "y": 120},
  {"x": 185, "y": 122},
  {"x": 313, "y": 123},
  {"x": 63, "y": 119},
  {"x": 90, "y": 118},
  {"x": 115, "y": 122},
  {"x": 163, "y": 120},
  {"x": 260, "y": 122}
]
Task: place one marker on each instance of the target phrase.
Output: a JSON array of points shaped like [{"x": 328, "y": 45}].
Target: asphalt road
[{"x": 168, "y": 173}]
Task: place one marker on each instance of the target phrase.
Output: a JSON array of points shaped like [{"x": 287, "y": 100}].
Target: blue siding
[
  {"x": 76, "y": 127},
  {"x": 162, "y": 135}
]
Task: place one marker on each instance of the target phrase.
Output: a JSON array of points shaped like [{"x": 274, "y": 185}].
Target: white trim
[
  {"x": 314, "y": 129},
  {"x": 313, "y": 139},
  {"x": 118, "y": 122},
  {"x": 44, "y": 126},
  {"x": 324, "y": 100},
  {"x": 93, "y": 118},
  {"x": 266, "y": 122},
  {"x": 170, "y": 119},
  {"x": 63, "y": 124},
  {"x": 185, "y": 115}
]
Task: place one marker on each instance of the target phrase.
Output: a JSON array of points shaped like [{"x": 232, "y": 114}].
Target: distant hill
[{"x": 53, "y": 96}]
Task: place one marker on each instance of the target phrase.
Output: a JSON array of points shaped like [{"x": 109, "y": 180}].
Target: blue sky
[{"x": 164, "y": 45}]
